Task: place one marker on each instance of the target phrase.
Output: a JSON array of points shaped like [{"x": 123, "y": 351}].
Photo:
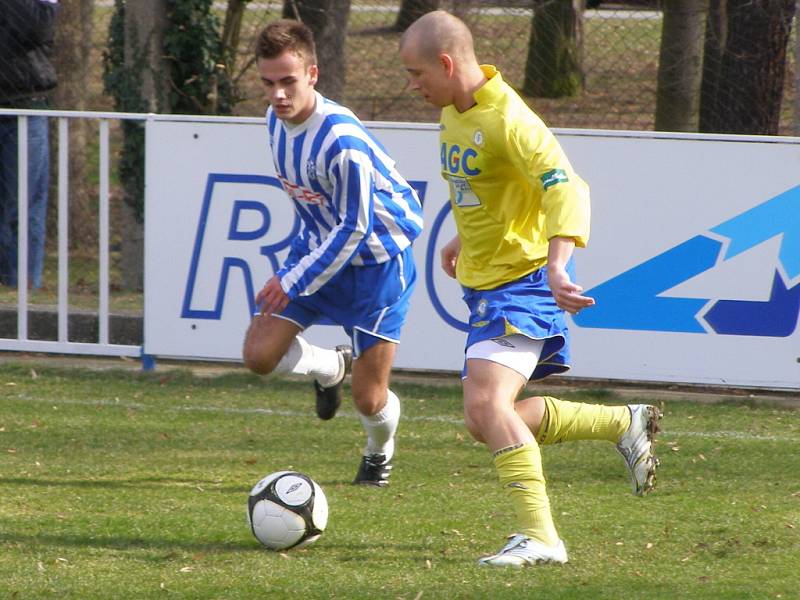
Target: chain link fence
[
  {"x": 619, "y": 64},
  {"x": 619, "y": 60}
]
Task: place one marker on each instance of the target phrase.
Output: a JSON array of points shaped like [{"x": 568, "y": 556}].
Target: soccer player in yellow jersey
[{"x": 520, "y": 210}]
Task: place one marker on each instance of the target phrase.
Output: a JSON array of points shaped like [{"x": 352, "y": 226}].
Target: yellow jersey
[{"x": 511, "y": 186}]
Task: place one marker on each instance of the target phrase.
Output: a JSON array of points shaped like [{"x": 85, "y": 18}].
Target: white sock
[
  {"x": 382, "y": 426},
  {"x": 326, "y": 366}
]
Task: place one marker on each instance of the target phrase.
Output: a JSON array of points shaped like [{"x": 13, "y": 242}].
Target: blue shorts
[
  {"x": 370, "y": 302},
  {"x": 524, "y": 306}
]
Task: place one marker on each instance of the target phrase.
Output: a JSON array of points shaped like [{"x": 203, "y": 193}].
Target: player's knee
[
  {"x": 474, "y": 421},
  {"x": 368, "y": 400},
  {"x": 474, "y": 431},
  {"x": 257, "y": 360}
]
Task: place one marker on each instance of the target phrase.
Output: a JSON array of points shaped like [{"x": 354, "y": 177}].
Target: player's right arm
[
  {"x": 271, "y": 298},
  {"x": 449, "y": 256},
  {"x": 351, "y": 174}
]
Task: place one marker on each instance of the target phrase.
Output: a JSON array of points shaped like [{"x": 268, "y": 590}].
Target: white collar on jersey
[{"x": 293, "y": 129}]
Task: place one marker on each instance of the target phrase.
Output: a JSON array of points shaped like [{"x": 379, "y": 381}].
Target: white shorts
[{"x": 517, "y": 352}]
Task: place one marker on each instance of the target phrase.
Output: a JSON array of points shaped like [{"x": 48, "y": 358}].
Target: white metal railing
[{"x": 62, "y": 345}]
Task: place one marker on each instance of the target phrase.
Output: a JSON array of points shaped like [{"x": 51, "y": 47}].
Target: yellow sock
[
  {"x": 566, "y": 421},
  {"x": 521, "y": 475}
]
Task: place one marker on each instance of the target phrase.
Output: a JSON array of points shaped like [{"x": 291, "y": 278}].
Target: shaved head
[
  {"x": 439, "y": 32},
  {"x": 438, "y": 54}
]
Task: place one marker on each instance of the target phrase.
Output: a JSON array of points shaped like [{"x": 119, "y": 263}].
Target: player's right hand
[
  {"x": 272, "y": 299},
  {"x": 449, "y": 255}
]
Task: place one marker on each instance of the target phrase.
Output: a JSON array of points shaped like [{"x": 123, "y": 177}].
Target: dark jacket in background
[{"x": 26, "y": 42}]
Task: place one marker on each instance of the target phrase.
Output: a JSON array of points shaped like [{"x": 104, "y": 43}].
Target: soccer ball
[{"x": 286, "y": 510}]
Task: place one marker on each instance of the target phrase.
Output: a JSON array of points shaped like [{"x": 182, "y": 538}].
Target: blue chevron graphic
[
  {"x": 632, "y": 300},
  {"x": 775, "y": 318},
  {"x": 780, "y": 215}
]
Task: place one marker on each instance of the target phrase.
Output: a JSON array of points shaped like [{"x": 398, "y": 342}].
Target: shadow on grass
[
  {"x": 155, "y": 483},
  {"x": 143, "y": 483},
  {"x": 121, "y": 542},
  {"x": 354, "y": 551}
]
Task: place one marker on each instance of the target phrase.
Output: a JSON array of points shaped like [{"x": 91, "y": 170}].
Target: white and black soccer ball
[{"x": 286, "y": 510}]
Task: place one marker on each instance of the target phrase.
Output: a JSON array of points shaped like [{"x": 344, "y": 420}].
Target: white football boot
[
  {"x": 522, "y": 551},
  {"x": 636, "y": 447}
]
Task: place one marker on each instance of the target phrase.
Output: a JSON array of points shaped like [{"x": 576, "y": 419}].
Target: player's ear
[
  {"x": 313, "y": 74},
  {"x": 447, "y": 63}
]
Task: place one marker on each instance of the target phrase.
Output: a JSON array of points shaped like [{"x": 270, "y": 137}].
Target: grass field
[{"x": 118, "y": 484}]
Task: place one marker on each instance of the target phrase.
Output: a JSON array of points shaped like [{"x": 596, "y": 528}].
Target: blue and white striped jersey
[{"x": 354, "y": 205}]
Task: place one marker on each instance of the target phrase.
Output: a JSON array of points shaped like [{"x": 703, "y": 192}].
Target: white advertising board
[{"x": 694, "y": 257}]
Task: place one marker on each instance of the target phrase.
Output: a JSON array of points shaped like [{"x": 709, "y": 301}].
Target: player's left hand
[
  {"x": 567, "y": 294},
  {"x": 272, "y": 299}
]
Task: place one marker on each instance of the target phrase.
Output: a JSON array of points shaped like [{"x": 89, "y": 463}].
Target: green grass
[{"x": 118, "y": 484}]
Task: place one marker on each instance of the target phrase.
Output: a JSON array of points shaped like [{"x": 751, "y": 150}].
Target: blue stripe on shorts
[
  {"x": 524, "y": 306},
  {"x": 369, "y": 302}
]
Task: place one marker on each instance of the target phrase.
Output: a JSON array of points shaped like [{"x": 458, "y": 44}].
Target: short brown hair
[{"x": 286, "y": 35}]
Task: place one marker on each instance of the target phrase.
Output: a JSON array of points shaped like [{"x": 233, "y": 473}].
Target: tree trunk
[
  {"x": 679, "y": 67},
  {"x": 145, "y": 22},
  {"x": 554, "y": 65},
  {"x": 715, "y": 40},
  {"x": 231, "y": 35},
  {"x": 72, "y": 59},
  {"x": 797, "y": 70},
  {"x": 328, "y": 20},
  {"x": 144, "y": 40},
  {"x": 752, "y": 68},
  {"x": 411, "y": 10}
]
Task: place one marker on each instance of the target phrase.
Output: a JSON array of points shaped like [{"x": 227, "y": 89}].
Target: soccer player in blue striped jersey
[
  {"x": 520, "y": 210},
  {"x": 351, "y": 263}
]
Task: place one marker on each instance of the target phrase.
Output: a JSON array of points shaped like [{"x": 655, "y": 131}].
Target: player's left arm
[
  {"x": 564, "y": 201},
  {"x": 567, "y": 294},
  {"x": 563, "y": 195}
]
